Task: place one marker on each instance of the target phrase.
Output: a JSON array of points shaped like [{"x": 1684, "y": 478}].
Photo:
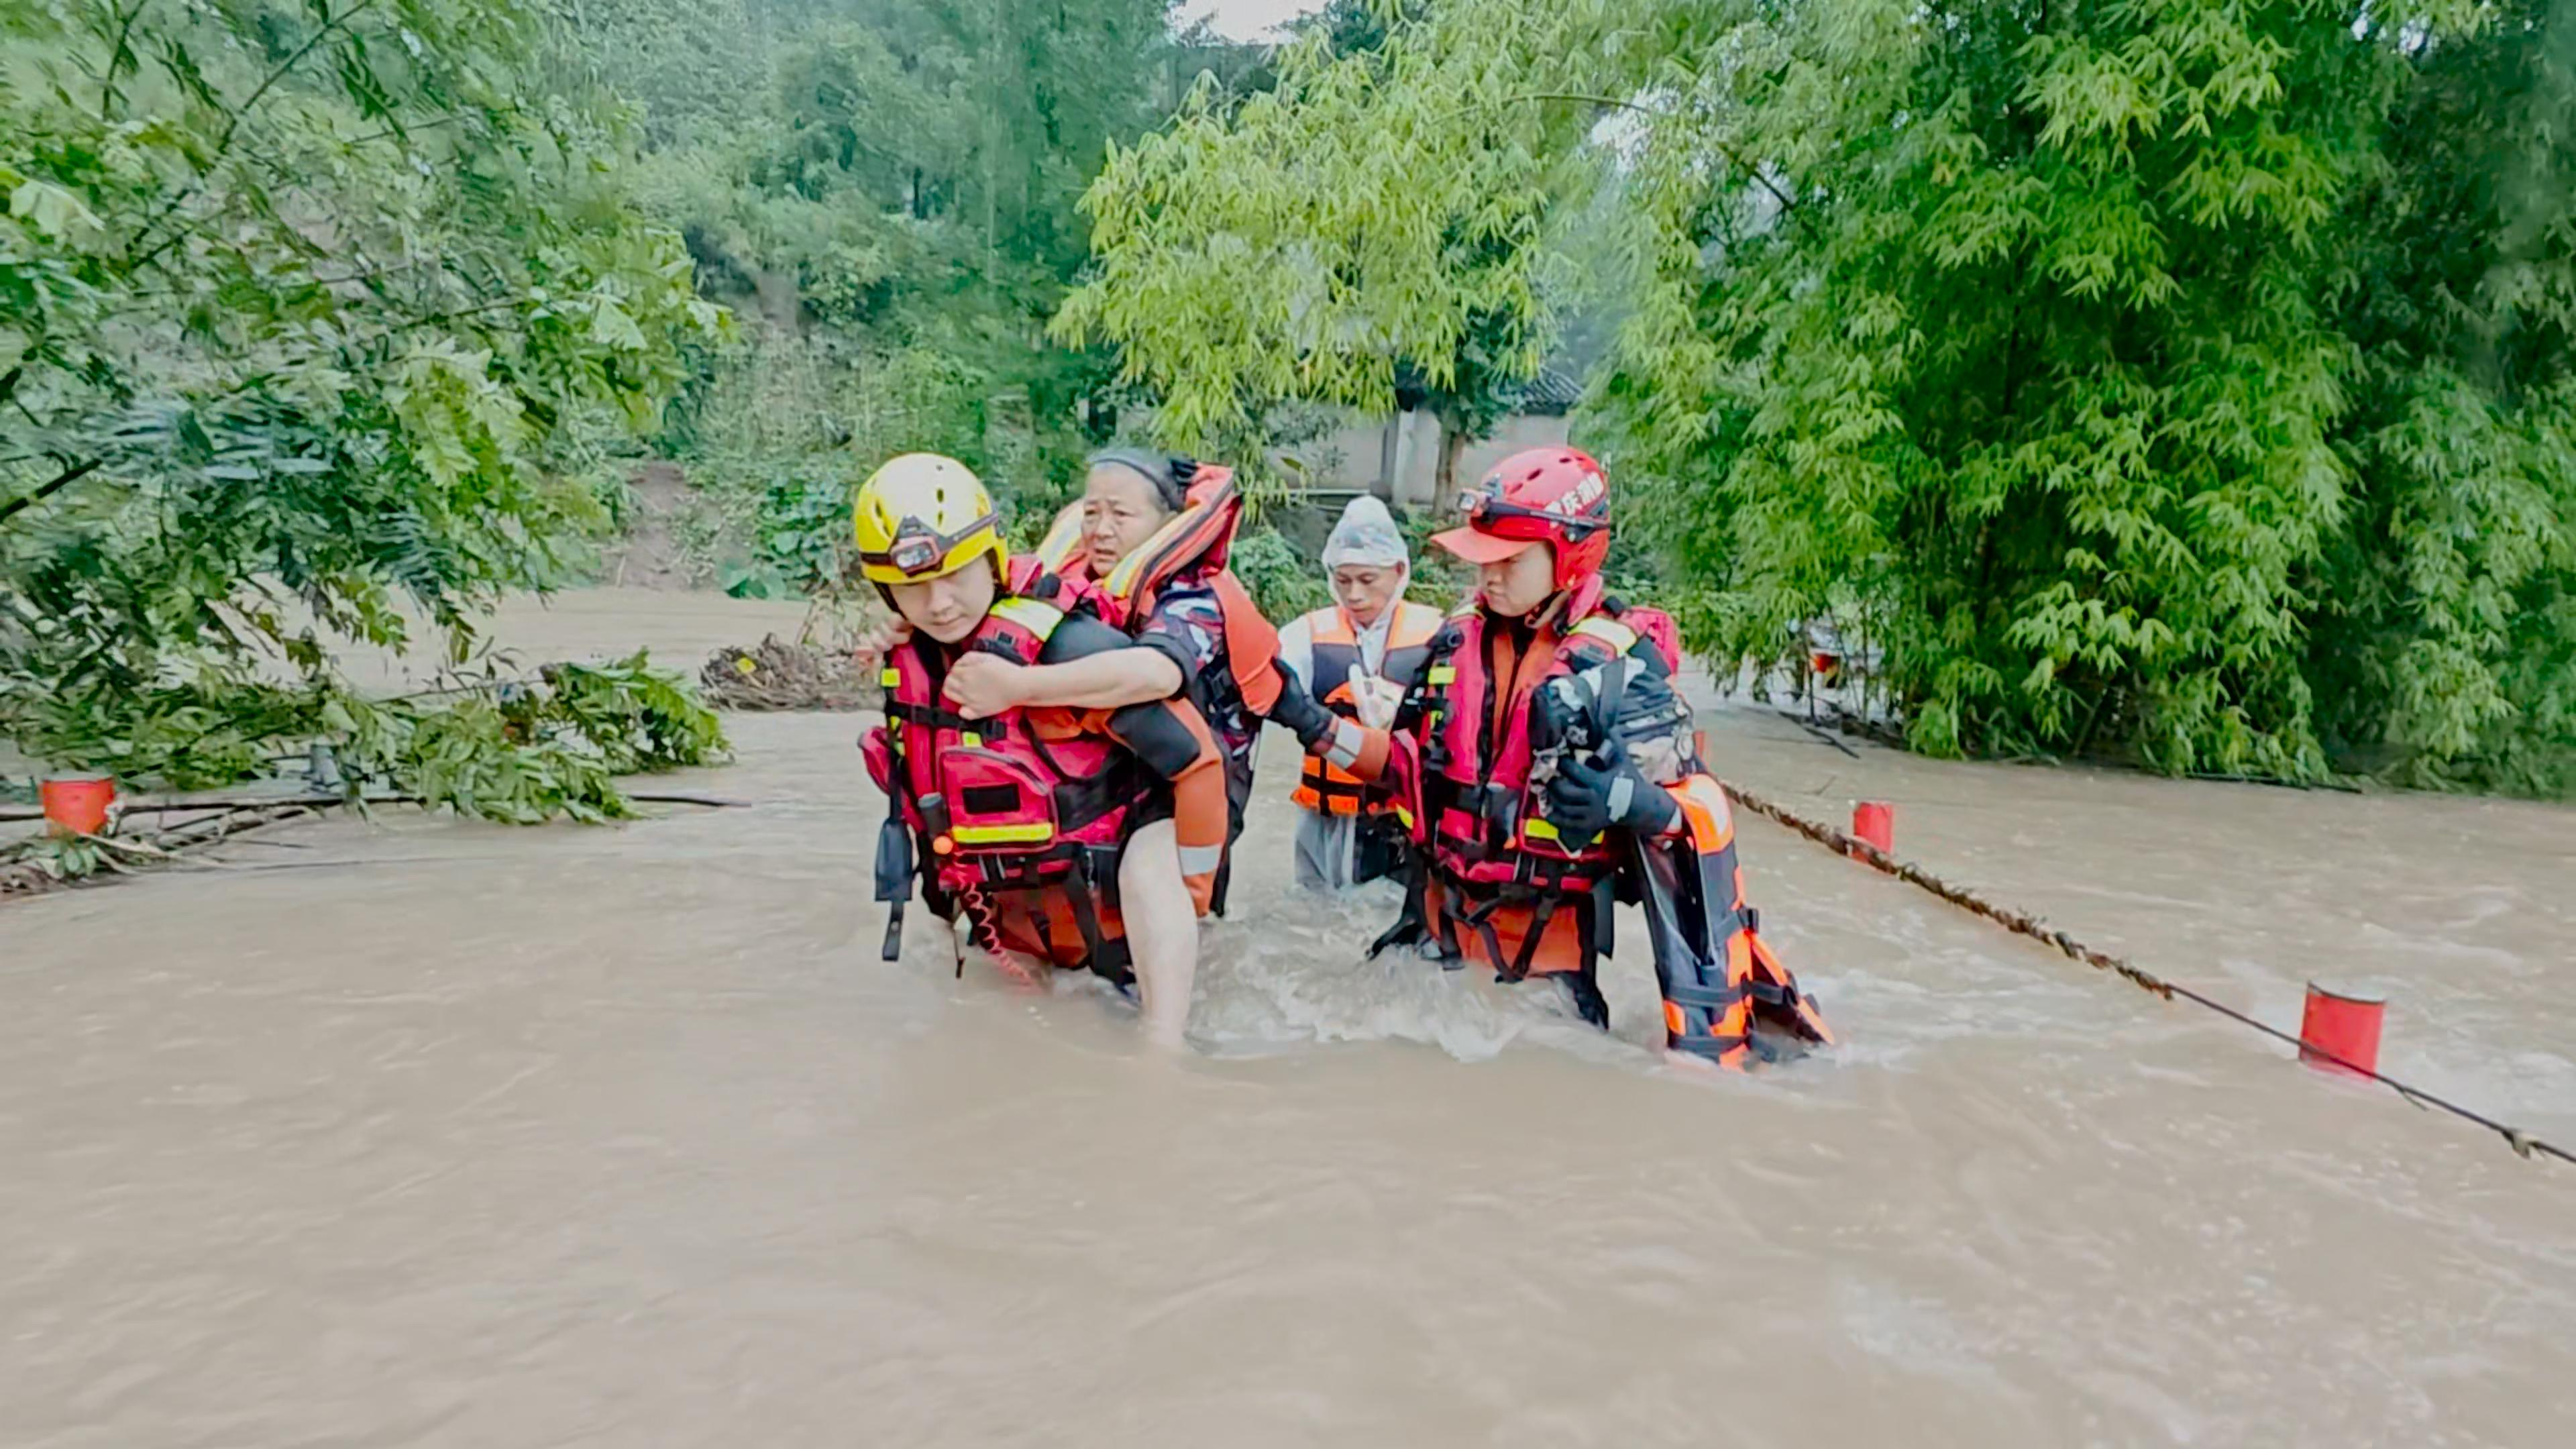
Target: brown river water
[{"x": 423, "y": 1132}]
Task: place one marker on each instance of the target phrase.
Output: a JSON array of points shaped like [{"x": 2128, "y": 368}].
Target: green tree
[
  {"x": 2445, "y": 637},
  {"x": 901, "y": 200},
  {"x": 1488, "y": 369},
  {"x": 1358, "y": 27},
  {"x": 688, "y": 70},
  {"x": 323, "y": 305},
  {"x": 1379, "y": 211},
  {"x": 2016, "y": 338},
  {"x": 1488, "y": 374},
  {"x": 2171, "y": 378}
]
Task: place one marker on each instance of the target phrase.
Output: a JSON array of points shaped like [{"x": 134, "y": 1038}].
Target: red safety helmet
[{"x": 1555, "y": 496}]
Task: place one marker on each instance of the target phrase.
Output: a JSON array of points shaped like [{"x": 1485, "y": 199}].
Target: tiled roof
[{"x": 1551, "y": 392}]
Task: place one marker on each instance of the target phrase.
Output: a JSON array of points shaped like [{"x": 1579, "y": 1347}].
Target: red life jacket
[
  {"x": 1030, "y": 576},
  {"x": 1019, "y": 818},
  {"x": 1192, "y": 545},
  {"x": 1322, "y": 785},
  {"x": 1497, "y": 868},
  {"x": 1487, "y": 827}
]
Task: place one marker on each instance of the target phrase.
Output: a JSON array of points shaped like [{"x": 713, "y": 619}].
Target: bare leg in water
[{"x": 1162, "y": 930}]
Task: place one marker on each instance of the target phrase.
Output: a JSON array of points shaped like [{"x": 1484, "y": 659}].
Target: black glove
[
  {"x": 1297, "y": 712},
  {"x": 1589, "y": 796},
  {"x": 1561, "y": 716}
]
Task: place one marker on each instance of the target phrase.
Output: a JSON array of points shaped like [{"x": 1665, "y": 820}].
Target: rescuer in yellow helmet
[{"x": 1029, "y": 825}]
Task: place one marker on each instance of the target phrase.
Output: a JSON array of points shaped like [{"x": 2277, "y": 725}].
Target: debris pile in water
[
  {"x": 779, "y": 675},
  {"x": 24, "y": 878}
]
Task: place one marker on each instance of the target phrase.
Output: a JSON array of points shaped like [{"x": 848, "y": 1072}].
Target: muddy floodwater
[{"x": 429, "y": 1133}]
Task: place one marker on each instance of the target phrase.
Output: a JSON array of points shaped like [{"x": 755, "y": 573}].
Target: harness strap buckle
[
  {"x": 1774, "y": 994},
  {"x": 1716, "y": 1048},
  {"x": 1683, "y": 993}
]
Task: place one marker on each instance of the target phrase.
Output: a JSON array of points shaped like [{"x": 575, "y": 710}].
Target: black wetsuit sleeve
[
  {"x": 1080, "y": 636},
  {"x": 1156, "y": 733},
  {"x": 1152, "y": 732},
  {"x": 1296, "y": 711}
]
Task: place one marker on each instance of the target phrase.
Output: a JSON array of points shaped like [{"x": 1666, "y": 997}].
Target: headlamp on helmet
[{"x": 919, "y": 551}]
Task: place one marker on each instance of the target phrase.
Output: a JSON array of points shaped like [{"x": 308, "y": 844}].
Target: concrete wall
[
  {"x": 1510, "y": 436},
  {"x": 1356, "y": 454}
]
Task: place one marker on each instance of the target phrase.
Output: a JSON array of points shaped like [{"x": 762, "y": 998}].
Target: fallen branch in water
[
  {"x": 236, "y": 821},
  {"x": 184, "y": 807},
  {"x": 322, "y": 802},
  {"x": 20, "y": 878},
  {"x": 46, "y": 863},
  {"x": 644, "y": 797},
  {"x": 1820, "y": 733}
]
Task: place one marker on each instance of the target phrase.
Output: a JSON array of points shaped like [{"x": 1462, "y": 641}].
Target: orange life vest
[
  {"x": 1737, "y": 984},
  {"x": 1322, "y": 785}
]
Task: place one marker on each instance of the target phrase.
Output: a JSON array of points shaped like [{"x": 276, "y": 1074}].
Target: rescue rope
[{"x": 2022, "y": 923}]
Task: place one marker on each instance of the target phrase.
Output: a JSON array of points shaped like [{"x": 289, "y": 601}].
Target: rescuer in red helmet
[{"x": 1543, "y": 765}]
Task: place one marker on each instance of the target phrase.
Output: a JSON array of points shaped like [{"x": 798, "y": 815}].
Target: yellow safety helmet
[{"x": 921, "y": 516}]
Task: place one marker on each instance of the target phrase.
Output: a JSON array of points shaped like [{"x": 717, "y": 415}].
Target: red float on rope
[
  {"x": 1875, "y": 822},
  {"x": 2341, "y": 1024}
]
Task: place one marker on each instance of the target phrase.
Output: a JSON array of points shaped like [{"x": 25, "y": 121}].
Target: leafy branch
[
  {"x": 49, "y": 488},
  {"x": 223, "y": 141}
]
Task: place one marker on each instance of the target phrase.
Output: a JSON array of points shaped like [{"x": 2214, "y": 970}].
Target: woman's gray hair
[{"x": 1167, "y": 474}]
